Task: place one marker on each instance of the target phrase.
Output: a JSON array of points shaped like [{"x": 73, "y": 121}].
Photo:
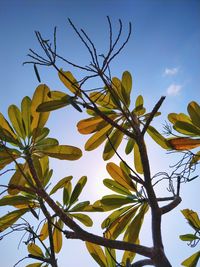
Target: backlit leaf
[
  {"x": 139, "y": 109},
  {"x": 69, "y": 81},
  {"x": 115, "y": 186},
  {"x": 57, "y": 237},
  {"x": 192, "y": 218},
  {"x": 39, "y": 119},
  {"x": 183, "y": 143},
  {"x": 17, "y": 179},
  {"x": 26, "y": 114},
  {"x": 62, "y": 183},
  {"x": 52, "y": 105},
  {"x": 192, "y": 260},
  {"x": 137, "y": 160},
  {"x": 80, "y": 206},
  {"x": 35, "y": 250},
  {"x": 44, "y": 233},
  {"x": 10, "y": 218},
  {"x": 97, "y": 253},
  {"x": 63, "y": 152},
  {"x": 112, "y": 144},
  {"x": 129, "y": 146},
  {"x": 126, "y": 86},
  {"x": 98, "y": 138},
  {"x": 91, "y": 125},
  {"x": 119, "y": 176},
  {"x": 15, "y": 201},
  {"x": 4, "y": 124},
  {"x": 194, "y": 112},
  {"x": 16, "y": 120},
  {"x": 186, "y": 128},
  {"x": 188, "y": 237},
  {"x": 36, "y": 264},
  {"x": 116, "y": 201},
  {"x": 83, "y": 218},
  {"x": 158, "y": 138},
  {"x": 78, "y": 189}
]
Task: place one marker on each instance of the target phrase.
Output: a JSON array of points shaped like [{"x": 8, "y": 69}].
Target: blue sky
[{"x": 163, "y": 56}]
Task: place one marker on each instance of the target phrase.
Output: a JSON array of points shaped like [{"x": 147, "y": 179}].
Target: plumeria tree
[{"x": 113, "y": 117}]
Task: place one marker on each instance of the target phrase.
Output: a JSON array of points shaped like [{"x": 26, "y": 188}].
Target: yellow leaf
[
  {"x": 57, "y": 238},
  {"x": 44, "y": 233},
  {"x": 16, "y": 119},
  {"x": 26, "y": 114},
  {"x": 5, "y": 125},
  {"x": 91, "y": 125},
  {"x": 34, "y": 250}
]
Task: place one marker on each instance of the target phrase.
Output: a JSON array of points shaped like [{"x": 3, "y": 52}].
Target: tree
[{"x": 112, "y": 120}]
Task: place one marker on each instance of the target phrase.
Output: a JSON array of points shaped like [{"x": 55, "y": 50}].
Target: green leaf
[
  {"x": 188, "y": 237},
  {"x": 7, "y": 156},
  {"x": 192, "y": 260},
  {"x": 46, "y": 143},
  {"x": 192, "y": 218},
  {"x": 62, "y": 183},
  {"x": 137, "y": 160},
  {"x": 158, "y": 138},
  {"x": 16, "y": 120},
  {"x": 26, "y": 114},
  {"x": 110, "y": 257},
  {"x": 112, "y": 144},
  {"x": 116, "y": 187},
  {"x": 4, "y": 125},
  {"x": 194, "y": 112},
  {"x": 97, "y": 253},
  {"x": 63, "y": 152},
  {"x": 98, "y": 138},
  {"x": 10, "y": 218},
  {"x": 78, "y": 189},
  {"x": 35, "y": 250},
  {"x": 56, "y": 95},
  {"x": 83, "y": 218}
]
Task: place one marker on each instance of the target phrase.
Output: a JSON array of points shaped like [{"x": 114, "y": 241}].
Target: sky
[{"x": 163, "y": 55}]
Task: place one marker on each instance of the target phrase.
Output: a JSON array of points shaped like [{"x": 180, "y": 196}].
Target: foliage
[{"x": 113, "y": 119}]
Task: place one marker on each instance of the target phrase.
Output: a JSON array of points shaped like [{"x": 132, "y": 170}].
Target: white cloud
[
  {"x": 171, "y": 72},
  {"x": 174, "y": 89}
]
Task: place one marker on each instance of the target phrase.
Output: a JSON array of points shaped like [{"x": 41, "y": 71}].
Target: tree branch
[
  {"x": 171, "y": 205},
  {"x": 142, "y": 263}
]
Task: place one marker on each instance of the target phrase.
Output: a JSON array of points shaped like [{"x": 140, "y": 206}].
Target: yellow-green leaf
[
  {"x": 192, "y": 260},
  {"x": 98, "y": 138},
  {"x": 158, "y": 138},
  {"x": 186, "y": 128},
  {"x": 115, "y": 186},
  {"x": 97, "y": 253},
  {"x": 36, "y": 264},
  {"x": 112, "y": 144},
  {"x": 137, "y": 159},
  {"x": 62, "y": 183},
  {"x": 53, "y": 105},
  {"x": 126, "y": 86},
  {"x": 83, "y": 218},
  {"x": 120, "y": 176},
  {"x": 139, "y": 109},
  {"x": 63, "y": 152},
  {"x": 35, "y": 250},
  {"x": 17, "y": 179},
  {"x": 192, "y": 218},
  {"x": 39, "y": 119},
  {"x": 15, "y": 117},
  {"x": 91, "y": 125},
  {"x": 194, "y": 112},
  {"x": 44, "y": 233},
  {"x": 10, "y": 218},
  {"x": 26, "y": 114},
  {"x": 69, "y": 81},
  {"x": 78, "y": 189},
  {"x": 15, "y": 201},
  {"x": 57, "y": 237}
]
